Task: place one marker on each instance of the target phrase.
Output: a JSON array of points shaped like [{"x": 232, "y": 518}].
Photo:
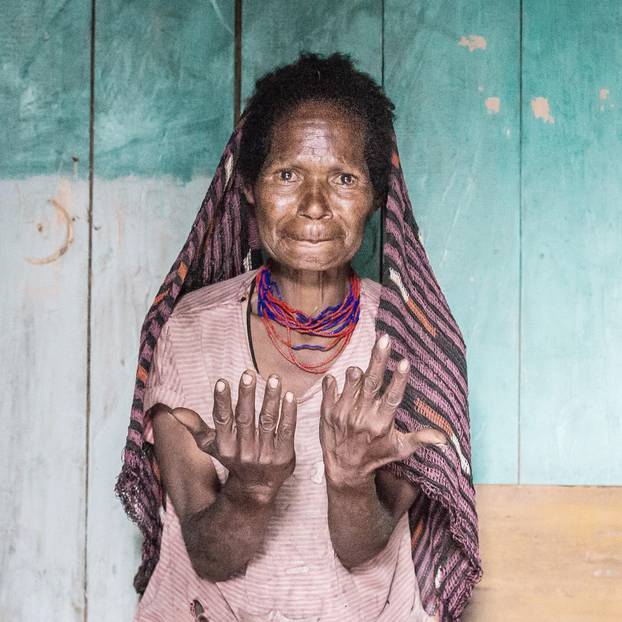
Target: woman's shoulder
[{"x": 217, "y": 296}]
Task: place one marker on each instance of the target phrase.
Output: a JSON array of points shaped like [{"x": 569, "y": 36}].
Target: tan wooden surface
[{"x": 550, "y": 553}]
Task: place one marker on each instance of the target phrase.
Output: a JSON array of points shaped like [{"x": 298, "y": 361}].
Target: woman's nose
[{"x": 314, "y": 203}]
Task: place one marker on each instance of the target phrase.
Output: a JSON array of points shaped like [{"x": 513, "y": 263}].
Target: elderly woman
[{"x": 299, "y": 444}]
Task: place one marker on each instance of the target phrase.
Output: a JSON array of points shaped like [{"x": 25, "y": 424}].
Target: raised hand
[
  {"x": 259, "y": 459},
  {"x": 357, "y": 430}
]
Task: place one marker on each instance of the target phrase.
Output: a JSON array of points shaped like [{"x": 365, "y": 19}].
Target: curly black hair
[{"x": 315, "y": 78}]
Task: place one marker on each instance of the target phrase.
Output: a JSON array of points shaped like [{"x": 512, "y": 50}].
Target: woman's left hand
[{"x": 357, "y": 430}]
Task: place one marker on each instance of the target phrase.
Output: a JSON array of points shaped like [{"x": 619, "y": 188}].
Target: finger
[
  {"x": 268, "y": 418},
  {"x": 392, "y": 397},
  {"x": 329, "y": 398},
  {"x": 407, "y": 443},
  {"x": 203, "y": 435},
  {"x": 374, "y": 374},
  {"x": 222, "y": 411},
  {"x": 245, "y": 414},
  {"x": 351, "y": 386},
  {"x": 345, "y": 413},
  {"x": 287, "y": 426}
]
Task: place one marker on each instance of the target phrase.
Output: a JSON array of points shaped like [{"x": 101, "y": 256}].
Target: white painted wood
[
  {"x": 42, "y": 412},
  {"x": 139, "y": 227}
]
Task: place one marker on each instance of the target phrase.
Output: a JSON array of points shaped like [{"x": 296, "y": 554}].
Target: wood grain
[
  {"x": 571, "y": 428},
  {"x": 164, "y": 111},
  {"x": 44, "y": 146},
  {"x": 550, "y": 554},
  {"x": 461, "y": 161}
]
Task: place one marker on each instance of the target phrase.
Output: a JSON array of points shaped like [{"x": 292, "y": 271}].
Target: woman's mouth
[{"x": 313, "y": 238}]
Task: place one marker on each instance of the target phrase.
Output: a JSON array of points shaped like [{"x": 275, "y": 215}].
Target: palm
[{"x": 357, "y": 430}]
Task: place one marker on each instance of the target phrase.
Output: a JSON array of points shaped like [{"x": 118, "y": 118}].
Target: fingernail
[
  {"x": 273, "y": 382},
  {"x": 289, "y": 397},
  {"x": 384, "y": 342},
  {"x": 403, "y": 366},
  {"x": 246, "y": 379},
  {"x": 220, "y": 386}
]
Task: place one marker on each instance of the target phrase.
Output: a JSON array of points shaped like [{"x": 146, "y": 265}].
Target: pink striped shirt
[{"x": 297, "y": 576}]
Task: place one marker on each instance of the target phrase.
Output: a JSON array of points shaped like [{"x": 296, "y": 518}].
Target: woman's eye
[
  {"x": 286, "y": 175},
  {"x": 346, "y": 179}
]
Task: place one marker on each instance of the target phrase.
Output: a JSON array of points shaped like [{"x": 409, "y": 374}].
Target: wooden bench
[{"x": 550, "y": 553}]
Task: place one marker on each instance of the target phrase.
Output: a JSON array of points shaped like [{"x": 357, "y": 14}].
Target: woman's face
[{"x": 313, "y": 193}]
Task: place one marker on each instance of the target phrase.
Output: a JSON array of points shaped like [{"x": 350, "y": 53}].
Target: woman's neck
[{"x": 309, "y": 291}]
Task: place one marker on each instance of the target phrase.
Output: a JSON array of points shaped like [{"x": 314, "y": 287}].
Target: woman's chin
[
  {"x": 312, "y": 264},
  {"x": 313, "y": 256}
]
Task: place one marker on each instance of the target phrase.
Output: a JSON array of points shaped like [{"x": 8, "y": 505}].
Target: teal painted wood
[
  {"x": 571, "y": 427},
  {"x": 43, "y": 253},
  {"x": 164, "y": 71},
  {"x": 459, "y": 147},
  {"x": 164, "y": 110},
  {"x": 275, "y": 32},
  {"x": 44, "y": 97}
]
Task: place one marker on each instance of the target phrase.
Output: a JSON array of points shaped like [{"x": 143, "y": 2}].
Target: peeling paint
[
  {"x": 473, "y": 42},
  {"x": 541, "y": 110},
  {"x": 493, "y": 105}
]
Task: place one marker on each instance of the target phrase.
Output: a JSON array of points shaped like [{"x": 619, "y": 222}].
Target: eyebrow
[{"x": 292, "y": 161}]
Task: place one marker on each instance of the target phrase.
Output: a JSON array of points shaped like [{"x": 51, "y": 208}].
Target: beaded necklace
[{"x": 337, "y": 322}]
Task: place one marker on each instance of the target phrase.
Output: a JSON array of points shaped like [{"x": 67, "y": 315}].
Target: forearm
[
  {"x": 224, "y": 537},
  {"x": 360, "y": 525}
]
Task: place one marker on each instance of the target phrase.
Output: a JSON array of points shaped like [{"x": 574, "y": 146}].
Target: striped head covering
[{"x": 223, "y": 243}]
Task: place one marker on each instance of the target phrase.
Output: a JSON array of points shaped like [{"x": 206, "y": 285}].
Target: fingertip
[
  {"x": 354, "y": 373},
  {"x": 289, "y": 397},
  {"x": 384, "y": 342},
  {"x": 436, "y": 438},
  {"x": 403, "y": 366},
  {"x": 220, "y": 386}
]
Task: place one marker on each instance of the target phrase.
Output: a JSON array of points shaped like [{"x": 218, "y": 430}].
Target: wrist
[
  {"x": 240, "y": 492},
  {"x": 350, "y": 483}
]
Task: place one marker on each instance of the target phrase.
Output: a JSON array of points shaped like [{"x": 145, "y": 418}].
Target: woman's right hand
[{"x": 261, "y": 459}]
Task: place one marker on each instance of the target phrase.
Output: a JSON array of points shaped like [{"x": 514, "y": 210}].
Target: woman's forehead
[{"x": 318, "y": 130}]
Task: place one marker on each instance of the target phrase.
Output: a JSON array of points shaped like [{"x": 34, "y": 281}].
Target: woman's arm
[
  {"x": 224, "y": 528},
  {"x": 362, "y": 519},
  {"x": 358, "y": 436}
]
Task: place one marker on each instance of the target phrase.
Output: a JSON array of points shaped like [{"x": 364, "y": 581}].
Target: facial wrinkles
[
  {"x": 315, "y": 222},
  {"x": 319, "y": 148},
  {"x": 318, "y": 142}
]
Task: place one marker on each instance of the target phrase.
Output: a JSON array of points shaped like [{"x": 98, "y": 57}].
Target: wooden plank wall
[
  {"x": 508, "y": 117},
  {"x": 44, "y": 159},
  {"x": 448, "y": 69},
  {"x": 164, "y": 110},
  {"x": 571, "y": 426}
]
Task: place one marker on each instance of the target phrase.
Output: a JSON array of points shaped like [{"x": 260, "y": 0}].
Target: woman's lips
[{"x": 313, "y": 239}]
